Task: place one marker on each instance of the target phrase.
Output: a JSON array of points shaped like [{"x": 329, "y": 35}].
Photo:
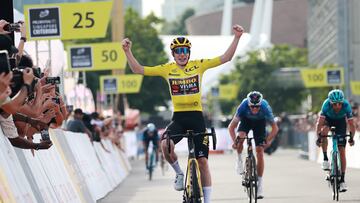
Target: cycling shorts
[
  {"x": 340, "y": 128},
  {"x": 258, "y": 128},
  {"x": 190, "y": 120}
]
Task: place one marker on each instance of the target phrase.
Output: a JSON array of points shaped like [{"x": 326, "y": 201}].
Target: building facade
[
  {"x": 288, "y": 21},
  {"x": 334, "y": 37}
]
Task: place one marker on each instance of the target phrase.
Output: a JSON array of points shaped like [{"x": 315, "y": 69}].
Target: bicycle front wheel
[
  {"x": 151, "y": 165},
  {"x": 336, "y": 174},
  {"x": 252, "y": 190},
  {"x": 195, "y": 183}
]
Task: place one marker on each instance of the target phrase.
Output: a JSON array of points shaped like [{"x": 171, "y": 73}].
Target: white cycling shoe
[
  {"x": 325, "y": 165},
  {"x": 179, "y": 182},
  {"x": 239, "y": 167},
  {"x": 343, "y": 187}
]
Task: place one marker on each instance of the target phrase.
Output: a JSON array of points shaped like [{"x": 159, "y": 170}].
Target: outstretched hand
[
  {"x": 238, "y": 30},
  {"x": 126, "y": 44}
]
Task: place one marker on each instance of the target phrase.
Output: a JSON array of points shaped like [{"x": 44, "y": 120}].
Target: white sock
[
  {"x": 259, "y": 180},
  {"x": 239, "y": 158},
  {"x": 207, "y": 194},
  {"x": 177, "y": 168}
]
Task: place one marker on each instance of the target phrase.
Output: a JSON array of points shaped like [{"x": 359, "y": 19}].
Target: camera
[
  {"x": 12, "y": 27},
  {"x": 52, "y": 80},
  {"x": 56, "y": 100},
  {"x": 45, "y": 135}
]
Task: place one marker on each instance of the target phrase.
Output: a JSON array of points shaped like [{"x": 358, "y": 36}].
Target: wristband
[{"x": 23, "y": 39}]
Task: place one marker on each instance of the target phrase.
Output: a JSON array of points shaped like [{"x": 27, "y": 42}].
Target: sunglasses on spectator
[
  {"x": 254, "y": 106},
  {"x": 182, "y": 50}
]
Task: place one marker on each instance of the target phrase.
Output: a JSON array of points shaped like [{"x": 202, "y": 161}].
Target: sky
[{"x": 152, "y": 5}]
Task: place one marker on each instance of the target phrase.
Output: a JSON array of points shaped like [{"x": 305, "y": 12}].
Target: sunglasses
[
  {"x": 337, "y": 104},
  {"x": 182, "y": 50},
  {"x": 254, "y": 106}
]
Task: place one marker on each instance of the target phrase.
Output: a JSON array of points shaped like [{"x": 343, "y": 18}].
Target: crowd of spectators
[{"x": 30, "y": 100}]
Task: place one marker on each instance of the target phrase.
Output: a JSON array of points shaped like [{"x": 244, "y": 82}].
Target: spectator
[{"x": 77, "y": 125}]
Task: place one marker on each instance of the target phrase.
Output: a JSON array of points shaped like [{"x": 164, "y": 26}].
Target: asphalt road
[{"x": 287, "y": 178}]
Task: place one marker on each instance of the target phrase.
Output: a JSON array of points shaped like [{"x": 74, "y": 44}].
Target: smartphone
[{"x": 4, "y": 62}]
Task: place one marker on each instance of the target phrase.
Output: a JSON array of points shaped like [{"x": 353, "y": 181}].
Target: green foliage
[
  {"x": 148, "y": 50},
  {"x": 254, "y": 72},
  {"x": 178, "y": 27}
]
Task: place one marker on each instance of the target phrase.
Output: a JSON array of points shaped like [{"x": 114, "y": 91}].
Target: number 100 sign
[
  {"x": 110, "y": 84},
  {"x": 67, "y": 20}
]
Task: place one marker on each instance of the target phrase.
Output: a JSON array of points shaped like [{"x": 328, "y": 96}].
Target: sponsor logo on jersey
[
  {"x": 184, "y": 86},
  {"x": 190, "y": 69}
]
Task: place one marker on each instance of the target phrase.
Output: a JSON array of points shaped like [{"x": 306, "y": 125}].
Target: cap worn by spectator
[{"x": 6, "y": 44}]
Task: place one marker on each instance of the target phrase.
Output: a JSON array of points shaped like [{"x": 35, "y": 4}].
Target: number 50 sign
[{"x": 67, "y": 20}]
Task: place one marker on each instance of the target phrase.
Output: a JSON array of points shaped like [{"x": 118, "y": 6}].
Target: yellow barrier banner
[
  {"x": 322, "y": 77},
  {"x": 67, "y": 20},
  {"x": 97, "y": 56},
  {"x": 355, "y": 87},
  {"x": 111, "y": 84},
  {"x": 228, "y": 92}
]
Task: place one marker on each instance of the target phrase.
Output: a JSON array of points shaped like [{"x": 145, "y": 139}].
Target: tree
[
  {"x": 253, "y": 72},
  {"x": 178, "y": 27},
  {"x": 149, "y": 50}
]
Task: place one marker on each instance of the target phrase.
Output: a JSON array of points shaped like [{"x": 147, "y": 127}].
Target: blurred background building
[{"x": 334, "y": 36}]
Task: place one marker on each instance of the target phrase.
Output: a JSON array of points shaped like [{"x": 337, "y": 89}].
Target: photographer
[{"x": 5, "y": 90}]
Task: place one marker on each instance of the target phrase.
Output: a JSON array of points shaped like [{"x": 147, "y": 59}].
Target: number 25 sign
[{"x": 67, "y": 20}]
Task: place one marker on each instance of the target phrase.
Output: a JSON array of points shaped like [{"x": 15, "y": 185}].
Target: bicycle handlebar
[
  {"x": 346, "y": 135},
  {"x": 191, "y": 134},
  {"x": 237, "y": 139}
]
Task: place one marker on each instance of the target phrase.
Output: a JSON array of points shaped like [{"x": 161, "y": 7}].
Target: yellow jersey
[{"x": 184, "y": 84}]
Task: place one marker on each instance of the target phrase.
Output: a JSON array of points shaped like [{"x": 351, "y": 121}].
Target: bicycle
[
  {"x": 193, "y": 188},
  {"x": 152, "y": 160},
  {"x": 250, "y": 177},
  {"x": 334, "y": 174}
]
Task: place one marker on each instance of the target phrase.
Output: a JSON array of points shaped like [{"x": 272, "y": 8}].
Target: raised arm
[
  {"x": 229, "y": 53},
  {"x": 135, "y": 66}
]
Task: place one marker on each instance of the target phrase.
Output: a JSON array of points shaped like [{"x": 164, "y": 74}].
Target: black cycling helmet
[{"x": 254, "y": 98}]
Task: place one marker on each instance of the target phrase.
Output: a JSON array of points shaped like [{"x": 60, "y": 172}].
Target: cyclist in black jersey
[
  {"x": 150, "y": 134},
  {"x": 184, "y": 80}
]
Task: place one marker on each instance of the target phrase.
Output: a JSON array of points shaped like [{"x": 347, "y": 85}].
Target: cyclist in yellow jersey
[{"x": 184, "y": 80}]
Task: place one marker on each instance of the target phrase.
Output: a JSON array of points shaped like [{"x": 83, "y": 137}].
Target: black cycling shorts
[
  {"x": 258, "y": 128},
  {"x": 190, "y": 120},
  {"x": 340, "y": 128}
]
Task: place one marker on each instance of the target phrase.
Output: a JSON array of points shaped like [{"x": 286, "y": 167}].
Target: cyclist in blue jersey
[
  {"x": 336, "y": 111},
  {"x": 253, "y": 113}
]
